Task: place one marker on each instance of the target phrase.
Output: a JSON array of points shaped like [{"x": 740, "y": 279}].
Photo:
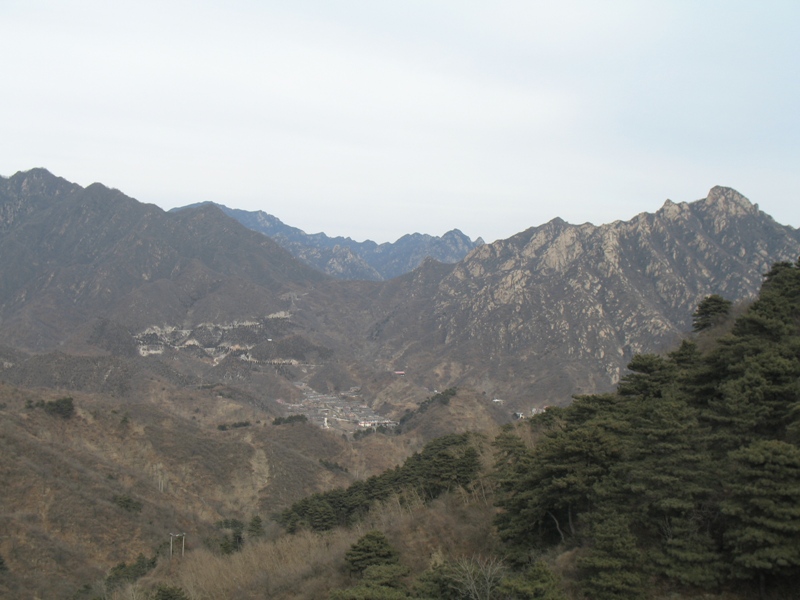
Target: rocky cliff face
[
  {"x": 345, "y": 258},
  {"x": 560, "y": 309}
]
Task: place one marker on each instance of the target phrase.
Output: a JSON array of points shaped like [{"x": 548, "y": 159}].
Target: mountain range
[
  {"x": 183, "y": 336},
  {"x": 556, "y": 310},
  {"x": 560, "y": 309},
  {"x": 345, "y": 258}
]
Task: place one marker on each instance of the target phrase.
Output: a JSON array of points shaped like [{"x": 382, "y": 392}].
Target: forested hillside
[
  {"x": 688, "y": 474},
  {"x": 683, "y": 483}
]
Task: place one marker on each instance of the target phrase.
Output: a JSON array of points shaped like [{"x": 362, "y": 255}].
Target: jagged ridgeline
[
  {"x": 444, "y": 464},
  {"x": 345, "y": 258},
  {"x": 689, "y": 474}
]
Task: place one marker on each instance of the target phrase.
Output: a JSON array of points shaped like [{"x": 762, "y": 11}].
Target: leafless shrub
[
  {"x": 132, "y": 591},
  {"x": 477, "y": 578},
  {"x": 270, "y": 567}
]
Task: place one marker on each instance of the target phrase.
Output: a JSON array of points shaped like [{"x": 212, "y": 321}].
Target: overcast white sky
[{"x": 372, "y": 118}]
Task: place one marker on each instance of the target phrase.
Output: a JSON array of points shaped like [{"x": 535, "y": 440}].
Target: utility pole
[{"x": 172, "y": 536}]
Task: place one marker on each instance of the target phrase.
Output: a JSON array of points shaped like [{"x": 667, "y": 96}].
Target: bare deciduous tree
[{"x": 477, "y": 578}]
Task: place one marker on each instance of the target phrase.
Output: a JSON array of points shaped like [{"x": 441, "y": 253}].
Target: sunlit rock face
[{"x": 560, "y": 309}]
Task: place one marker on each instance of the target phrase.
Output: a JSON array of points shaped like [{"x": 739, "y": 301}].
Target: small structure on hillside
[{"x": 366, "y": 423}]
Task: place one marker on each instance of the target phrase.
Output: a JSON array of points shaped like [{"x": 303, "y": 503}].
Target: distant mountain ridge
[{"x": 345, "y": 258}]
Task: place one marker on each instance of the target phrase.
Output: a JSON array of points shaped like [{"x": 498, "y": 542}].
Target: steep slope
[
  {"x": 560, "y": 309},
  {"x": 345, "y": 258},
  {"x": 84, "y": 493},
  {"x": 71, "y": 255}
]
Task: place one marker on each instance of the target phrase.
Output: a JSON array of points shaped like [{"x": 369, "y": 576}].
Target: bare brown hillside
[{"x": 85, "y": 493}]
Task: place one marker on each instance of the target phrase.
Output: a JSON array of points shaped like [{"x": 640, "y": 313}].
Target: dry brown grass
[
  {"x": 60, "y": 527},
  {"x": 309, "y": 565},
  {"x": 455, "y": 525},
  {"x": 289, "y": 567}
]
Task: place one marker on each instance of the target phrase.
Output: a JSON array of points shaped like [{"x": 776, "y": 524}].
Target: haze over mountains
[
  {"x": 555, "y": 310},
  {"x": 182, "y": 335},
  {"x": 345, "y": 258}
]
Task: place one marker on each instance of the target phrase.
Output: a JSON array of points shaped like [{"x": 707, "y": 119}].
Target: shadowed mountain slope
[{"x": 72, "y": 254}]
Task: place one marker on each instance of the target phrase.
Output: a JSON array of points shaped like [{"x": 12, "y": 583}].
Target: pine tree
[
  {"x": 711, "y": 311},
  {"x": 537, "y": 583},
  {"x": 667, "y": 482},
  {"x": 379, "y": 582},
  {"x": 561, "y": 478},
  {"x": 63, "y": 408},
  {"x": 689, "y": 554},
  {"x": 321, "y": 516},
  {"x": 512, "y": 459},
  {"x": 750, "y": 384},
  {"x": 763, "y": 511},
  {"x": 371, "y": 549},
  {"x": 613, "y": 562},
  {"x": 255, "y": 529},
  {"x": 165, "y": 592},
  {"x": 650, "y": 376}
]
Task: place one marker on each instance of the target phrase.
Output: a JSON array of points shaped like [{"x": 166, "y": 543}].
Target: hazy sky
[{"x": 374, "y": 118}]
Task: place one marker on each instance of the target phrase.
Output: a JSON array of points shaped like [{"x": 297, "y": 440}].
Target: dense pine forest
[
  {"x": 688, "y": 475},
  {"x": 683, "y": 483}
]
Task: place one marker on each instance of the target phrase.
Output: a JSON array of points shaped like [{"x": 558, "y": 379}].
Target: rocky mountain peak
[
  {"x": 728, "y": 201},
  {"x": 719, "y": 198},
  {"x": 554, "y": 310},
  {"x": 671, "y": 210},
  {"x": 27, "y": 191},
  {"x": 559, "y": 299},
  {"x": 33, "y": 181}
]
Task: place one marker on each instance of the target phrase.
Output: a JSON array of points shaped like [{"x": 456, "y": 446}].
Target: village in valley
[
  {"x": 345, "y": 412},
  {"x": 218, "y": 343}
]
